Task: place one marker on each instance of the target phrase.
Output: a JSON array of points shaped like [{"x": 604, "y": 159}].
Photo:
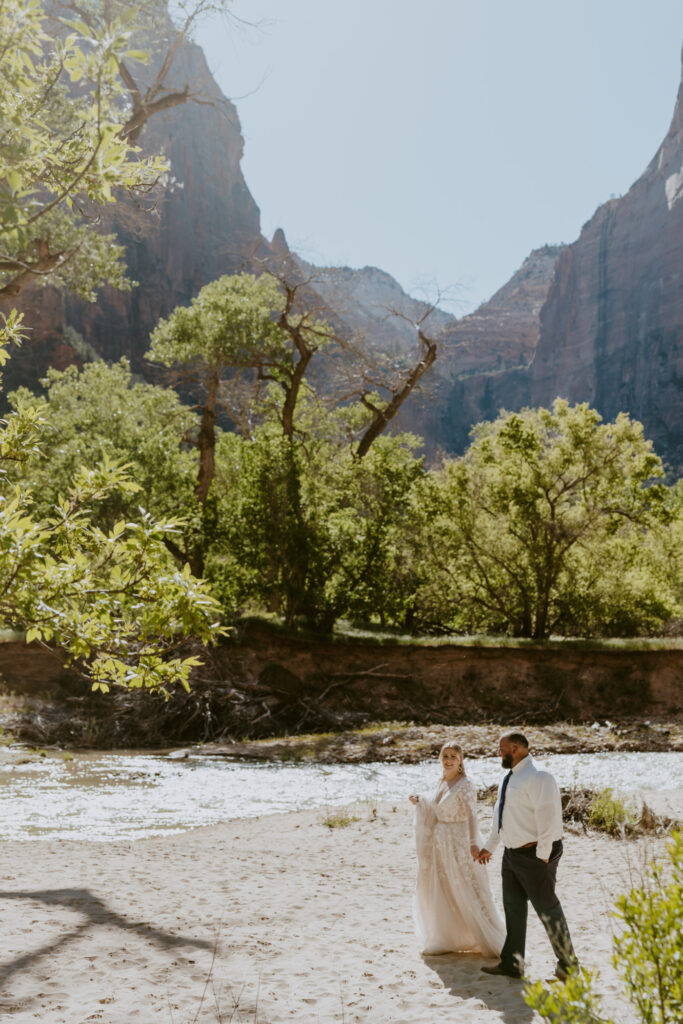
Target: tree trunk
[
  {"x": 206, "y": 441},
  {"x": 382, "y": 417}
]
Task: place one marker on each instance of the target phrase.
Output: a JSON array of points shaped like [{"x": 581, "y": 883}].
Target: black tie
[{"x": 501, "y": 802}]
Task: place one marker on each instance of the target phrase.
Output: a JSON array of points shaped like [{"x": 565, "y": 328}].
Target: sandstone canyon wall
[
  {"x": 610, "y": 331},
  {"x": 612, "y": 326},
  {"x": 484, "y": 358},
  {"x": 599, "y": 321}
]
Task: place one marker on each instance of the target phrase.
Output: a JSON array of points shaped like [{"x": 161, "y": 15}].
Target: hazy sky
[{"x": 442, "y": 140}]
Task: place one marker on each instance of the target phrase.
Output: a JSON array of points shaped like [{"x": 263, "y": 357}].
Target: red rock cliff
[
  {"x": 484, "y": 358},
  {"x": 612, "y": 326}
]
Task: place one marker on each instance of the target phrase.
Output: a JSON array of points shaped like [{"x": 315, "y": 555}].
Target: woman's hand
[
  {"x": 414, "y": 798},
  {"x": 474, "y": 850}
]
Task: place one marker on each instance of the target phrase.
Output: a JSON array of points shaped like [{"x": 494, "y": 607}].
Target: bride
[{"x": 452, "y": 907}]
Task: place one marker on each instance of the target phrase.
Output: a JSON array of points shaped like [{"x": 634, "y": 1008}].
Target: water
[{"x": 133, "y": 796}]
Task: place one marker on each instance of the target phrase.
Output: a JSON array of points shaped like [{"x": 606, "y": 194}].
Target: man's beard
[{"x": 506, "y": 761}]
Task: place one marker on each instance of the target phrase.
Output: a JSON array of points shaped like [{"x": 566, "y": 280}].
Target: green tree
[
  {"x": 544, "y": 506},
  {"x": 239, "y": 333},
  {"x": 62, "y": 154},
  {"x": 306, "y": 530},
  {"x": 145, "y": 427},
  {"x": 297, "y": 523},
  {"x": 112, "y": 600}
]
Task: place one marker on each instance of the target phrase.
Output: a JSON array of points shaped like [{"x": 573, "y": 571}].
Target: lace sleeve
[{"x": 424, "y": 822}]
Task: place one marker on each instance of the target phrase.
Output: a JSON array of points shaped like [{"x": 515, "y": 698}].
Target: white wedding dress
[{"x": 453, "y": 907}]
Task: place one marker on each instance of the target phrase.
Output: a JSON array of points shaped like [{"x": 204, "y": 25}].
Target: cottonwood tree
[
  {"x": 112, "y": 600},
  {"x": 242, "y": 332},
  {"x": 239, "y": 334},
  {"x": 542, "y": 505},
  {"x": 144, "y": 429},
  {"x": 300, "y": 523}
]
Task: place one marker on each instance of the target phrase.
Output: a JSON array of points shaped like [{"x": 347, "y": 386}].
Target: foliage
[
  {"x": 649, "y": 951},
  {"x": 340, "y": 819},
  {"x": 231, "y": 323},
  {"x": 238, "y": 333},
  {"x": 609, "y": 813},
  {"x": 570, "y": 1002},
  {"x": 530, "y": 529},
  {"x": 648, "y": 954},
  {"x": 144, "y": 428},
  {"x": 305, "y": 529},
  {"x": 112, "y": 600},
  {"x": 62, "y": 154}
]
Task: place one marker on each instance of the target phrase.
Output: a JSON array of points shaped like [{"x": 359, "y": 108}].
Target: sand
[{"x": 266, "y": 920}]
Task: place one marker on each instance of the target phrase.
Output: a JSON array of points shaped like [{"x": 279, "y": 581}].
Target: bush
[{"x": 609, "y": 813}]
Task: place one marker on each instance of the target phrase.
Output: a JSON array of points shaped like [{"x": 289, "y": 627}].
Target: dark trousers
[{"x": 527, "y": 879}]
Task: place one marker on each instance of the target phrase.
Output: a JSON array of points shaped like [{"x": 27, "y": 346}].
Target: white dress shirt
[{"x": 532, "y": 812}]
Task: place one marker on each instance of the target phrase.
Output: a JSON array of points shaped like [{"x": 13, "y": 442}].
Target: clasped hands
[{"x": 483, "y": 856}]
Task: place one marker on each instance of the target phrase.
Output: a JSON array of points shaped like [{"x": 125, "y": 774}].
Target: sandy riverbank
[{"x": 287, "y": 919}]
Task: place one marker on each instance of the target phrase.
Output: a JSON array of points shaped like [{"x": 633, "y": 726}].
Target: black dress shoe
[{"x": 500, "y": 969}]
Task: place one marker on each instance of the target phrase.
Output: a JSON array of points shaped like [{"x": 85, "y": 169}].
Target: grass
[
  {"x": 348, "y": 632},
  {"x": 340, "y": 819}
]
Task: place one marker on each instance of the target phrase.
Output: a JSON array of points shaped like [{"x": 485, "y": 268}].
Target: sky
[{"x": 443, "y": 140}]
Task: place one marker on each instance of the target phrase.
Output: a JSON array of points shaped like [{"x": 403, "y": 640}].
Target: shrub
[{"x": 609, "y": 813}]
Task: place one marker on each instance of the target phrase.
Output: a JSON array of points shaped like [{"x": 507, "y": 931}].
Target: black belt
[{"x": 527, "y": 846}]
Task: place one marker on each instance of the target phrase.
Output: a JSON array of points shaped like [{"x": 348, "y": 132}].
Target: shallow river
[{"x": 133, "y": 795}]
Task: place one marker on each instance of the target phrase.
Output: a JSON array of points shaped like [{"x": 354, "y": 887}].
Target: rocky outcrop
[
  {"x": 612, "y": 326},
  {"x": 502, "y": 333},
  {"x": 373, "y": 305},
  {"x": 599, "y": 321},
  {"x": 610, "y": 331},
  {"x": 483, "y": 363}
]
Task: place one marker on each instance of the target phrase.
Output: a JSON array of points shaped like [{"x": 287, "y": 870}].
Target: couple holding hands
[{"x": 453, "y": 906}]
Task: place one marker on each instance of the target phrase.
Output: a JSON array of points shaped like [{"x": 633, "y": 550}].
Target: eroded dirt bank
[{"x": 263, "y": 683}]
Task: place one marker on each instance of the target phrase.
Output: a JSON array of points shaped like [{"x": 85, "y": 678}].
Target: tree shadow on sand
[
  {"x": 95, "y": 912},
  {"x": 461, "y": 974}
]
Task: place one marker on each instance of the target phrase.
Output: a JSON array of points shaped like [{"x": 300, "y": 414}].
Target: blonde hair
[{"x": 457, "y": 749}]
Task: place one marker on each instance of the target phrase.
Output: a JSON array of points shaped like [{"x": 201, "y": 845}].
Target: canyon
[{"x": 599, "y": 320}]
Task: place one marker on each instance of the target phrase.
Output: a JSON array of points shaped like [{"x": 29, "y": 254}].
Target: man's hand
[
  {"x": 484, "y": 856},
  {"x": 414, "y": 798}
]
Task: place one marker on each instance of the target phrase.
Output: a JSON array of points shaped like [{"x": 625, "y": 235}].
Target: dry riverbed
[
  {"x": 409, "y": 744},
  {"x": 406, "y": 743}
]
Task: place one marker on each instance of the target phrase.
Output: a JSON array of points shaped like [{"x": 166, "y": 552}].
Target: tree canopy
[
  {"x": 542, "y": 507},
  {"x": 111, "y": 598}
]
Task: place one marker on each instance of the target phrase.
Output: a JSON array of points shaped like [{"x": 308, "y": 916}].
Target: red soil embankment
[
  {"x": 446, "y": 682},
  {"x": 263, "y": 682}
]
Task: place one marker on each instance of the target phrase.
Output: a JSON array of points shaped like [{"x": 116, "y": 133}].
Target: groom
[{"x": 528, "y": 818}]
